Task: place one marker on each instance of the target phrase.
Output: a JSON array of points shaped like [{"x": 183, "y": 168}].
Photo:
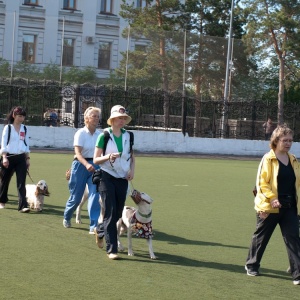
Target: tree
[
  {"x": 4, "y": 68},
  {"x": 151, "y": 24},
  {"x": 273, "y": 29}
]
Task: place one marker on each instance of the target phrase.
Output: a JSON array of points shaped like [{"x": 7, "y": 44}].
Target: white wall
[{"x": 156, "y": 141}]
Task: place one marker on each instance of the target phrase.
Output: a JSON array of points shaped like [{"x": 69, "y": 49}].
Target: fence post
[{"x": 77, "y": 98}]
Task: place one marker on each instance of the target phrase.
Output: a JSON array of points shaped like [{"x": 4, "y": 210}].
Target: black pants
[
  {"x": 113, "y": 193},
  {"x": 17, "y": 163},
  {"x": 287, "y": 218}
]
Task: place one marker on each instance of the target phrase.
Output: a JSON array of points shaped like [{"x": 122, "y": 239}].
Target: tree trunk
[{"x": 280, "y": 91}]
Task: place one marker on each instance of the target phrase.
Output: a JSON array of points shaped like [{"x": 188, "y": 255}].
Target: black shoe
[{"x": 251, "y": 272}]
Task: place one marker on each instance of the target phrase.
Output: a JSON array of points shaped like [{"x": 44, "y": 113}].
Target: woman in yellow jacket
[{"x": 277, "y": 184}]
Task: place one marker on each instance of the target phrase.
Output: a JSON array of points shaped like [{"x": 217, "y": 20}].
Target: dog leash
[{"x": 30, "y": 176}]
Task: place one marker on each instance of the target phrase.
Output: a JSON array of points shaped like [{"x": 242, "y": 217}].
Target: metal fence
[{"x": 147, "y": 106}]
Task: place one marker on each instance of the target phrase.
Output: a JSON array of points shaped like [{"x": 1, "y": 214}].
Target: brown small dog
[{"x": 35, "y": 195}]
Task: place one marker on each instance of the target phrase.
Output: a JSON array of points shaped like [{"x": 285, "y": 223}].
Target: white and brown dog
[
  {"x": 35, "y": 195},
  {"x": 138, "y": 222}
]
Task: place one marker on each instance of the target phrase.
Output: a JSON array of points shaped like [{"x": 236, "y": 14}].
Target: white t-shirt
[{"x": 83, "y": 138}]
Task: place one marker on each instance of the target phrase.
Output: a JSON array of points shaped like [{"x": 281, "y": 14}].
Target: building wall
[
  {"x": 46, "y": 23},
  {"x": 157, "y": 141}
]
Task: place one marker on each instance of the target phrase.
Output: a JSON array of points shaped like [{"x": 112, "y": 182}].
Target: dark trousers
[
  {"x": 113, "y": 193},
  {"x": 287, "y": 218},
  {"x": 17, "y": 163}
]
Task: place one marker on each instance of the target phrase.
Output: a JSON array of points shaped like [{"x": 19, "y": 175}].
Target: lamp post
[{"x": 228, "y": 69}]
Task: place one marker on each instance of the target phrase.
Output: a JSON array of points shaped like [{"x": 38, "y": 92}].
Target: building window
[
  {"x": 68, "y": 52},
  {"x": 106, "y": 6},
  {"x": 69, "y": 4},
  {"x": 28, "y": 51},
  {"x": 31, "y": 2},
  {"x": 104, "y": 56},
  {"x": 141, "y": 3},
  {"x": 141, "y": 48}
]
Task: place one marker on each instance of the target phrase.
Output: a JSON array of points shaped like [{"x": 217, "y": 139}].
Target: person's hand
[
  {"x": 275, "y": 203},
  {"x": 90, "y": 167},
  {"x": 113, "y": 156},
  {"x": 130, "y": 175},
  {"x": 5, "y": 162}
]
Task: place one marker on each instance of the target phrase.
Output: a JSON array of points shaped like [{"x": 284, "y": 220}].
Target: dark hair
[{"x": 17, "y": 110}]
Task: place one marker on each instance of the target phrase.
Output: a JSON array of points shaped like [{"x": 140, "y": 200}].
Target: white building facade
[{"x": 67, "y": 33}]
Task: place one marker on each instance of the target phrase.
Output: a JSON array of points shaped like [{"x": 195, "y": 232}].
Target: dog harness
[{"x": 142, "y": 230}]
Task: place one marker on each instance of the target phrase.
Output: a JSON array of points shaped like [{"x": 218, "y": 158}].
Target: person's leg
[
  {"x": 121, "y": 192},
  {"x": 5, "y": 177},
  {"x": 77, "y": 184},
  {"x": 93, "y": 204},
  {"x": 289, "y": 226},
  {"x": 21, "y": 172},
  {"x": 260, "y": 239}
]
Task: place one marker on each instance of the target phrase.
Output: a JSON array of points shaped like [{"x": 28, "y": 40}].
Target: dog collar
[{"x": 145, "y": 216}]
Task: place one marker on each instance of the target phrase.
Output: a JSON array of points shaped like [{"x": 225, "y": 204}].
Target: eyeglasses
[
  {"x": 285, "y": 141},
  {"x": 94, "y": 116},
  {"x": 121, "y": 110}
]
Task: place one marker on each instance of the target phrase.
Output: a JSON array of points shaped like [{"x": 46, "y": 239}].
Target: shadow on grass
[
  {"x": 177, "y": 260},
  {"x": 173, "y": 239}
]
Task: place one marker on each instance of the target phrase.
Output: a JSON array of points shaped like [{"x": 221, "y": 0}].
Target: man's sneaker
[
  {"x": 25, "y": 210},
  {"x": 251, "y": 272},
  {"x": 112, "y": 256},
  {"x": 67, "y": 224},
  {"x": 296, "y": 281},
  {"x": 2, "y": 205},
  {"x": 99, "y": 241}
]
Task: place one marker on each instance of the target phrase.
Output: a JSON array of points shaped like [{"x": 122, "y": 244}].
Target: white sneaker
[
  {"x": 2, "y": 205},
  {"x": 296, "y": 281},
  {"x": 113, "y": 256},
  {"x": 25, "y": 210},
  {"x": 67, "y": 224}
]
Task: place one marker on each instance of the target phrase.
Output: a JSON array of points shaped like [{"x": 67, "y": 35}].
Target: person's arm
[
  {"x": 130, "y": 174},
  {"x": 82, "y": 160}
]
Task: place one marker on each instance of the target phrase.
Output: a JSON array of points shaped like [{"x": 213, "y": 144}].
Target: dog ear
[{"x": 47, "y": 193}]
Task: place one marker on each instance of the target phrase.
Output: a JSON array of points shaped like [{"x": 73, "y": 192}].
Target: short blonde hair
[
  {"x": 89, "y": 111},
  {"x": 279, "y": 132}
]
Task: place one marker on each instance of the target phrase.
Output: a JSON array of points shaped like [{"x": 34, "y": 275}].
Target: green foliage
[
  {"x": 79, "y": 76},
  {"x": 4, "y": 68},
  {"x": 26, "y": 70},
  {"x": 52, "y": 72}
]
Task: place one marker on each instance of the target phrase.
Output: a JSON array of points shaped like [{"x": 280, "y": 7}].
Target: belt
[{"x": 86, "y": 158}]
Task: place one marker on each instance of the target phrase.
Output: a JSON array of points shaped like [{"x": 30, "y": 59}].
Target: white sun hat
[{"x": 118, "y": 111}]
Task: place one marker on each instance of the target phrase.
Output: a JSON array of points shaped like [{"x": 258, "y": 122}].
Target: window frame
[
  {"x": 141, "y": 4},
  {"x": 103, "y": 4},
  {"x": 74, "y": 7},
  {"x": 67, "y": 51},
  {"x": 104, "y": 63},
  {"x": 30, "y": 2},
  {"x": 25, "y": 56}
]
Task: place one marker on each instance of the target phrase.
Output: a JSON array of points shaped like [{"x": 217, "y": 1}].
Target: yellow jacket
[{"x": 266, "y": 182}]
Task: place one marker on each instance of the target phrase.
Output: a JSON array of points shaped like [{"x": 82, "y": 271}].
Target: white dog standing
[
  {"x": 137, "y": 221},
  {"x": 35, "y": 195}
]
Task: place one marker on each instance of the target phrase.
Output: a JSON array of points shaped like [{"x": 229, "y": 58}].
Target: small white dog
[
  {"x": 35, "y": 195},
  {"x": 137, "y": 221},
  {"x": 79, "y": 207}
]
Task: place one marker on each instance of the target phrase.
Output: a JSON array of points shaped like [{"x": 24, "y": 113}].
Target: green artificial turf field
[{"x": 203, "y": 219}]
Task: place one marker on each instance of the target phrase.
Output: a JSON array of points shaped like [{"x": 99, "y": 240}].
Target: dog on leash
[
  {"x": 35, "y": 194},
  {"x": 137, "y": 221}
]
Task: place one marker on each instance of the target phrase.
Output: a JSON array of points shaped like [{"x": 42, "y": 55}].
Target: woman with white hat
[{"x": 117, "y": 168}]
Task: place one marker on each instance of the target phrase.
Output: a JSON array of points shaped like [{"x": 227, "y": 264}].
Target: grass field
[{"x": 203, "y": 219}]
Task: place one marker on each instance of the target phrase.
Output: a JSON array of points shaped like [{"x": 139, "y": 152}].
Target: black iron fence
[{"x": 151, "y": 109}]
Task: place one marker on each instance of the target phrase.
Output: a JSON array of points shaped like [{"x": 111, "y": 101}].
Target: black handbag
[{"x": 97, "y": 176}]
